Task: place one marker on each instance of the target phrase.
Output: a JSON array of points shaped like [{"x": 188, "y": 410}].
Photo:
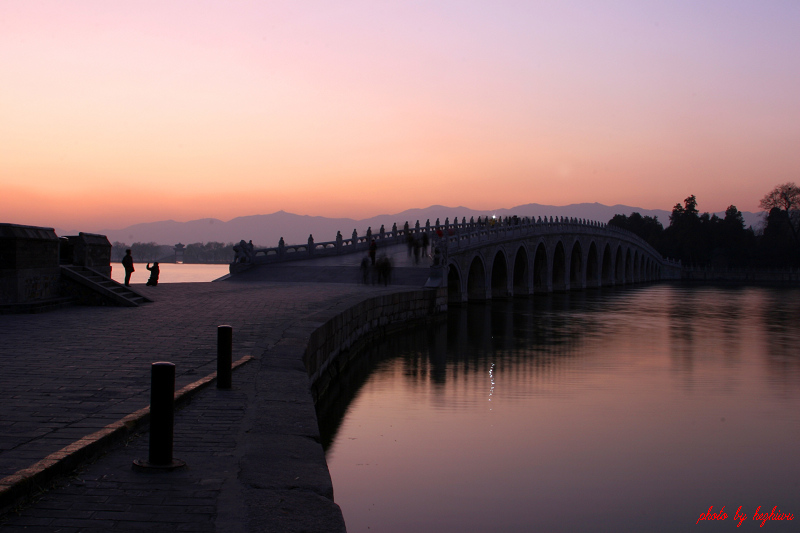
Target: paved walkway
[
  {"x": 406, "y": 268},
  {"x": 68, "y": 373}
]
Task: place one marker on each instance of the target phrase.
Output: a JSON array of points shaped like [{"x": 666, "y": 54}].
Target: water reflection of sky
[
  {"x": 172, "y": 272},
  {"x": 628, "y": 410}
]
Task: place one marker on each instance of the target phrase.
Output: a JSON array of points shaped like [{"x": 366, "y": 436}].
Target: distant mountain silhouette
[{"x": 266, "y": 230}]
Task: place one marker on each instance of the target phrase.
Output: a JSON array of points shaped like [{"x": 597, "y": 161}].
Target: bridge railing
[
  {"x": 454, "y": 235},
  {"x": 311, "y": 249}
]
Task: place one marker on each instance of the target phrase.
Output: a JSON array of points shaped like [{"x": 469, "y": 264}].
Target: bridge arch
[
  {"x": 606, "y": 272},
  {"x": 619, "y": 267},
  {"x": 455, "y": 292},
  {"x": 577, "y": 279},
  {"x": 630, "y": 263},
  {"x": 520, "y": 277},
  {"x": 559, "y": 269},
  {"x": 592, "y": 267},
  {"x": 476, "y": 279},
  {"x": 541, "y": 275},
  {"x": 499, "y": 280}
]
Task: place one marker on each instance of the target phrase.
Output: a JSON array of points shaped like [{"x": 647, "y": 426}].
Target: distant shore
[
  {"x": 172, "y": 272},
  {"x": 749, "y": 275}
]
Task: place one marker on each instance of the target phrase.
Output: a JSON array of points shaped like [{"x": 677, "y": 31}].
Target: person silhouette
[
  {"x": 373, "y": 248},
  {"x": 154, "y": 271},
  {"x": 127, "y": 263}
]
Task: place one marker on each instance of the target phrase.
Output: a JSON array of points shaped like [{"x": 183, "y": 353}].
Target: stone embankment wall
[{"x": 331, "y": 346}]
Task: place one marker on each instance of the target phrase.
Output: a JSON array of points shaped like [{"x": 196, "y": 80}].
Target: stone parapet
[
  {"x": 29, "y": 271},
  {"x": 89, "y": 250},
  {"x": 330, "y": 347}
]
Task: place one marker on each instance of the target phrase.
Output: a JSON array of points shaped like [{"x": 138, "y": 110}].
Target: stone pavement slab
[{"x": 68, "y": 373}]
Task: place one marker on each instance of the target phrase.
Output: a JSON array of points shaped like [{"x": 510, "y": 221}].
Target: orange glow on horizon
[{"x": 119, "y": 114}]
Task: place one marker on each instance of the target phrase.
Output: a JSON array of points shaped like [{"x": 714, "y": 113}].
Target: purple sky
[{"x": 115, "y": 113}]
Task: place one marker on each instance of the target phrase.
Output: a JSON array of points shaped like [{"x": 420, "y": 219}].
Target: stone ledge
[
  {"x": 21, "y": 486},
  {"x": 364, "y": 321}
]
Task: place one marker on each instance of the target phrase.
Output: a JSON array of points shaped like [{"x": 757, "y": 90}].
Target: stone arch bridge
[
  {"x": 497, "y": 258},
  {"x": 523, "y": 257}
]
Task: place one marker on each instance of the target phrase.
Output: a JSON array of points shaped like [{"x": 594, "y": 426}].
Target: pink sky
[{"x": 113, "y": 113}]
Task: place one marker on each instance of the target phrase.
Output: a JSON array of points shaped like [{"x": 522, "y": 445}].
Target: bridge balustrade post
[
  {"x": 310, "y": 244},
  {"x": 281, "y": 248},
  {"x": 338, "y": 242}
]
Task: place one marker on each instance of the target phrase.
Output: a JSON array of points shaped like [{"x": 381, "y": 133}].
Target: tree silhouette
[
  {"x": 694, "y": 238},
  {"x": 777, "y": 246},
  {"x": 785, "y": 198},
  {"x": 734, "y": 245},
  {"x": 688, "y": 237},
  {"x": 210, "y": 252},
  {"x": 646, "y": 227}
]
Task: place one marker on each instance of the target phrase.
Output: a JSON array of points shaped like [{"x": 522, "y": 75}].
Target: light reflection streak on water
[
  {"x": 491, "y": 381},
  {"x": 660, "y": 400}
]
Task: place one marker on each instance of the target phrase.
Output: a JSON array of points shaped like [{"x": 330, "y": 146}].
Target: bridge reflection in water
[{"x": 602, "y": 410}]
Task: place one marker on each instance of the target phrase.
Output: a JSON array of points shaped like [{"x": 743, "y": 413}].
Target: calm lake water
[
  {"x": 171, "y": 273},
  {"x": 609, "y": 410}
]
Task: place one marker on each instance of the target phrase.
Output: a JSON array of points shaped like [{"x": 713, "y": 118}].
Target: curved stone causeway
[{"x": 254, "y": 453}]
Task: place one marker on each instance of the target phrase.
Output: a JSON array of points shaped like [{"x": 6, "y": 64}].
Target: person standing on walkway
[
  {"x": 373, "y": 248},
  {"x": 127, "y": 262},
  {"x": 365, "y": 270},
  {"x": 154, "y": 271}
]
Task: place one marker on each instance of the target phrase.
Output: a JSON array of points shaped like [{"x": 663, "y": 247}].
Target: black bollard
[
  {"x": 162, "y": 418},
  {"x": 224, "y": 356}
]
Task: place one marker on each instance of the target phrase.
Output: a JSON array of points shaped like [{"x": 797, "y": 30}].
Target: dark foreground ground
[{"x": 253, "y": 453}]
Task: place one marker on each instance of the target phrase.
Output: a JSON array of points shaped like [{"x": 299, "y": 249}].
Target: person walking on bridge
[
  {"x": 127, "y": 263},
  {"x": 373, "y": 249}
]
